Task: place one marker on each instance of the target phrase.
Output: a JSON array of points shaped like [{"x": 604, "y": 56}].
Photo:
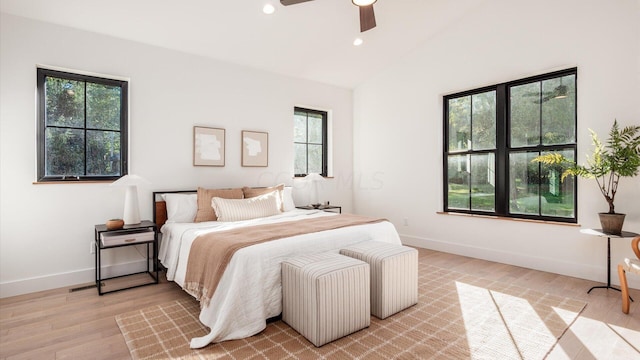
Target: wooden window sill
[{"x": 509, "y": 218}]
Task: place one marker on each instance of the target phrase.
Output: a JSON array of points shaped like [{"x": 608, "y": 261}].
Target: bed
[{"x": 249, "y": 290}]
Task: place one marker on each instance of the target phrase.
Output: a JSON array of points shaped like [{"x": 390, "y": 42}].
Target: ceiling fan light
[
  {"x": 561, "y": 92},
  {"x": 363, "y": 2}
]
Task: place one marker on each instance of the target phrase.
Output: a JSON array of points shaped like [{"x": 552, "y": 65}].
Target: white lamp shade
[
  {"x": 130, "y": 180},
  {"x": 313, "y": 177}
]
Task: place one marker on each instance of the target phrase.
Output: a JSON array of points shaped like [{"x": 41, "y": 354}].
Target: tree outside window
[
  {"x": 491, "y": 136},
  {"x": 310, "y": 142},
  {"x": 82, "y": 127}
]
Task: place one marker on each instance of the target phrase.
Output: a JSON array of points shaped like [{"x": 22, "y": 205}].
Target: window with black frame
[
  {"x": 82, "y": 127},
  {"x": 310, "y": 142},
  {"x": 491, "y": 136}
]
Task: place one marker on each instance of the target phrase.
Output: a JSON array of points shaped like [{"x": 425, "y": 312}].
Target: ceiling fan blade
[
  {"x": 292, "y": 2},
  {"x": 367, "y": 18}
]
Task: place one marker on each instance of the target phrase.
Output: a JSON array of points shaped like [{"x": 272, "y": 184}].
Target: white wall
[
  {"x": 398, "y": 126},
  {"x": 45, "y": 230}
]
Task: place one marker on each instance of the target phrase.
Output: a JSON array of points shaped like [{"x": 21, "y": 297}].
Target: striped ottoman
[
  {"x": 394, "y": 275},
  {"x": 325, "y": 296}
]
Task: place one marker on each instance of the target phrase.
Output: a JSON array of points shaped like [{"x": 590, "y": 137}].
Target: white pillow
[
  {"x": 246, "y": 209},
  {"x": 287, "y": 199},
  {"x": 181, "y": 207}
]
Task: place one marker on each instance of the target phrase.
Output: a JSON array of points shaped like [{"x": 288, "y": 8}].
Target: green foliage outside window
[
  {"x": 82, "y": 127},
  {"x": 310, "y": 142},
  {"x": 471, "y": 174},
  {"x": 493, "y": 133}
]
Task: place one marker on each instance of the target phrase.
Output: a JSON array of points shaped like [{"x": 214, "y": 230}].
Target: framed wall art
[
  {"x": 255, "y": 148},
  {"x": 208, "y": 146}
]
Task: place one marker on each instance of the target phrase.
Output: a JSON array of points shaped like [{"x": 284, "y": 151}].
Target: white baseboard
[
  {"x": 54, "y": 281},
  {"x": 589, "y": 272},
  {"x": 582, "y": 271}
]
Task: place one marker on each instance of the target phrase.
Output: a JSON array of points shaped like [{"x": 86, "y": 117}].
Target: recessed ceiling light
[
  {"x": 357, "y": 42},
  {"x": 268, "y": 9}
]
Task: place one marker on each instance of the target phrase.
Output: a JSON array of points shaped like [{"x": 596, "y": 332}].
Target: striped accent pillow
[
  {"x": 205, "y": 211},
  {"x": 245, "y": 209},
  {"x": 253, "y": 192}
]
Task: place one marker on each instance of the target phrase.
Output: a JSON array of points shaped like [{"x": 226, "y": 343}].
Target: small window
[
  {"x": 491, "y": 136},
  {"x": 82, "y": 127},
  {"x": 310, "y": 142}
]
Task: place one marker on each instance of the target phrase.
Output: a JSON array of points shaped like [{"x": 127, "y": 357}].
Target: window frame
[
  {"x": 503, "y": 148},
  {"x": 325, "y": 146},
  {"x": 42, "y": 74}
]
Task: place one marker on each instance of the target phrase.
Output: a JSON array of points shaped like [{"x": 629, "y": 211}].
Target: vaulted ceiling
[{"x": 311, "y": 40}]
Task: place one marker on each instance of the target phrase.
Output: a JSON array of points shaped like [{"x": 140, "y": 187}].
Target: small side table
[
  {"x": 145, "y": 233},
  {"x": 599, "y": 232},
  {"x": 327, "y": 208}
]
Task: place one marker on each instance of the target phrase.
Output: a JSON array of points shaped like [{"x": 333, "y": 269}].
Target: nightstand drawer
[{"x": 113, "y": 239}]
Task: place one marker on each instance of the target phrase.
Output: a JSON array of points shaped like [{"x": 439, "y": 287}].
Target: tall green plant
[{"x": 618, "y": 157}]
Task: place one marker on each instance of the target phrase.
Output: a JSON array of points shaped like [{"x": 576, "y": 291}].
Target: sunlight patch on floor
[
  {"x": 599, "y": 346},
  {"x": 495, "y": 320},
  {"x": 631, "y": 336},
  {"x": 565, "y": 315},
  {"x": 596, "y": 340}
]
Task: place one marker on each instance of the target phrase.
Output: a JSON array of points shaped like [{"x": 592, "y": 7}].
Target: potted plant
[{"x": 618, "y": 157}]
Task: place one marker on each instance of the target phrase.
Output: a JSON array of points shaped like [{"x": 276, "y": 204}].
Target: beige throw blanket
[{"x": 210, "y": 253}]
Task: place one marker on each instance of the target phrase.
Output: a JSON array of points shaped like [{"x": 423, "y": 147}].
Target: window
[
  {"x": 492, "y": 134},
  {"x": 310, "y": 141},
  {"x": 82, "y": 127}
]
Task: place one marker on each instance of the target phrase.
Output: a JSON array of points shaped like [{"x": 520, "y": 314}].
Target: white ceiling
[{"x": 312, "y": 40}]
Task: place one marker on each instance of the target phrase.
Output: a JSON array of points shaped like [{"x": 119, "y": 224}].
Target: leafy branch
[{"x": 619, "y": 157}]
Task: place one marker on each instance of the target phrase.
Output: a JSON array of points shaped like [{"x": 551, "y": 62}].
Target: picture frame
[
  {"x": 208, "y": 146},
  {"x": 255, "y": 148}
]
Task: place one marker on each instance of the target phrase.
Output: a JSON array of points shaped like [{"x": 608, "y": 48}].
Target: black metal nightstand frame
[{"x": 127, "y": 229}]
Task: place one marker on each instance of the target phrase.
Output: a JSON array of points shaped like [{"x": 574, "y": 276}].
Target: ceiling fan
[
  {"x": 367, "y": 17},
  {"x": 559, "y": 92}
]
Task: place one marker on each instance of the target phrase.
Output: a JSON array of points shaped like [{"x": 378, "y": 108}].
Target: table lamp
[
  {"x": 131, "y": 204},
  {"x": 314, "y": 179}
]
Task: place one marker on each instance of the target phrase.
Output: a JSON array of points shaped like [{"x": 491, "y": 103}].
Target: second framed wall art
[{"x": 255, "y": 148}]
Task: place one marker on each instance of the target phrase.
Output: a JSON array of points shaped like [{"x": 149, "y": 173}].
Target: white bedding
[{"x": 250, "y": 292}]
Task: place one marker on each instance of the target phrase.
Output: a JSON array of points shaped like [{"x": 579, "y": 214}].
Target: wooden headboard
[{"x": 160, "y": 206}]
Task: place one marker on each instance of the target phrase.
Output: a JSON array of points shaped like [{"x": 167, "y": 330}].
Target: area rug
[{"x": 458, "y": 316}]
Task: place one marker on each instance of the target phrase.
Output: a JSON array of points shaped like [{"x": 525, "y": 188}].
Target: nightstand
[
  {"x": 145, "y": 233},
  {"x": 327, "y": 208}
]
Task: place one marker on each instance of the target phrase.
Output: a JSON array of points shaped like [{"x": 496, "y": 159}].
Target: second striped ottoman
[
  {"x": 325, "y": 296},
  {"x": 394, "y": 275}
]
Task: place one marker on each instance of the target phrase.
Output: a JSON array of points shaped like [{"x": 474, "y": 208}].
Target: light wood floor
[{"x": 58, "y": 324}]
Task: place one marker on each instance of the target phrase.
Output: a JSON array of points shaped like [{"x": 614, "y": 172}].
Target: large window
[
  {"x": 82, "y": 127},
  {"x": 491, "y": 136},
  {"x": 310, "y": 141}
]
